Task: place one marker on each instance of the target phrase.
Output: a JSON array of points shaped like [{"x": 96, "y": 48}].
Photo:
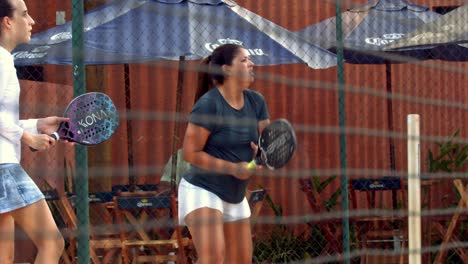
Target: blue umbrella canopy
[
  {"x": 368, "y": 28},
  {"x": 134, "y": 31},
  {"x": 442, "y": 35}
]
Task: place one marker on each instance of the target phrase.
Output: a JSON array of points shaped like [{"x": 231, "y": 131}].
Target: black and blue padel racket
[
  {"x": 93, "y": 119},
  {"x": 276, "y": 145}
]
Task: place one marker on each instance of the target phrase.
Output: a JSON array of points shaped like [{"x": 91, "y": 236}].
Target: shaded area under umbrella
[{"x": 140, "y": 31}]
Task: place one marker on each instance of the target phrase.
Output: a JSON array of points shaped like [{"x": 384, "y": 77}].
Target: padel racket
[
  {"x": 276, "y": 145},
  {"x": 93, "y": 118}
]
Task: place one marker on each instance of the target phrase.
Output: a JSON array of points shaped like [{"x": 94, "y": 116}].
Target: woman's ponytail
[{"x": 205, "y": 82}]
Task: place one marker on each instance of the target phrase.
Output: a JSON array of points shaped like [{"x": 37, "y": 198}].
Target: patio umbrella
[
  {"x": 139, "y": 31},
  {"x": 443, "y": 35},
  {"x": 366, "y": 30},
  {"x": 133, "y": 31}
]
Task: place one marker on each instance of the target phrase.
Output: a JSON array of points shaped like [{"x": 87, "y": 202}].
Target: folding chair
[
  {"x": 448, "y": 234},
  {"x": 148, "y": 228},
  {"x": 256, "y": 199},
  {"x": 104, "y": 242},
  {"x": 67, "y": 218},
  {"x": 380, "y": 228}
]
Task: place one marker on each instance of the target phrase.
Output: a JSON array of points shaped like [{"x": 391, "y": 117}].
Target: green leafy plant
[
  {"x": 330, "y": 204},
  {"x": 321, "y": 185},
  {"x": 450, "y": 157},
  {"x": 280, "y": 244}
]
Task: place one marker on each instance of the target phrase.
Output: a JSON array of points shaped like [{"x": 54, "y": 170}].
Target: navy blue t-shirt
[{"x": 232, "y": 130}]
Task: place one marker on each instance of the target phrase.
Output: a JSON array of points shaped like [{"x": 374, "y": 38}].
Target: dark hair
[
  {"x": 6, "y": 8},
  {"x": 211, "y": 73}
]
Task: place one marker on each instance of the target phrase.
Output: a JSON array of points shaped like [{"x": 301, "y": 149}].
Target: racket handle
[
  {"x": 256, "y": 161},
  {"x": 53, "y": 135}
]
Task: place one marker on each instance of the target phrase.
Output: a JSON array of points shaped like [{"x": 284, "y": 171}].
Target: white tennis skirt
[{"x": 192, "y": 197}]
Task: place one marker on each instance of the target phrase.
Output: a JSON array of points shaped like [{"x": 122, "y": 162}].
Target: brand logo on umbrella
[
  {"x": 384, "y": 40},
  {"x": 64, "y": 36},
  {"x": 60, "y": 37},
  {"x": 41, "y": 51},
  {"x": 253, "y": 52},
  {"x": 36, "y": 53}
]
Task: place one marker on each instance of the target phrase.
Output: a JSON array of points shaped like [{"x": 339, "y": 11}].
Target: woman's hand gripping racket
[
  {"x": 276, "y": 145},
  {"x": 93, "y": 118}
]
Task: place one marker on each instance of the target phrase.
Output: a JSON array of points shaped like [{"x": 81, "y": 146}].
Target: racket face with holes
[
  {"x": 277, "y": 144},
  {"x": 93, "y": 119}
]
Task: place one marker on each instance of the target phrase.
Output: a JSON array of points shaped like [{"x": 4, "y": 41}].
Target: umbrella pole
[
  {"x": 388, "y": 83},
  {"x": 175, "y": 137},
  {"x": 132, "y": 180}
]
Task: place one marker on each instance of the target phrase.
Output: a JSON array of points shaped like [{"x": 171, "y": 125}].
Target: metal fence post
[
  {"x": 81, "y": 153},
  {"x": 342, "y": 124}
]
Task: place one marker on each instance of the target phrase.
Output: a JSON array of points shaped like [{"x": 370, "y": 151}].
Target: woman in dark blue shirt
[{"x": 220, "y": 140}]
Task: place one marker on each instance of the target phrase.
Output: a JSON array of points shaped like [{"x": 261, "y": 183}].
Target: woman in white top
[{"x": 21, "y": 201}]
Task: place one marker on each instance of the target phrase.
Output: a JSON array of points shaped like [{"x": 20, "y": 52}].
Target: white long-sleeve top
[{"x": 11, "y": 128}]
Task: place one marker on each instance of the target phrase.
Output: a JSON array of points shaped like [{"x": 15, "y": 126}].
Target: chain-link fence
[{"x": 343, "y": 198}]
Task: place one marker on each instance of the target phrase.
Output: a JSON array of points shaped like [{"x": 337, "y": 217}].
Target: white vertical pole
[{"x": 414, "y": 190}]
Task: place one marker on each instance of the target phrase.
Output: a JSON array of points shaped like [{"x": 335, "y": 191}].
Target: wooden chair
[
  {"x": 448, "y": 234},
  {"x": 64, "y": 214},
  {"x": 104, "y": 242},
  {"x": 256, "y": 199},
  {"x": 389, "y": 230},
  {"x": 148, "y": 228}
]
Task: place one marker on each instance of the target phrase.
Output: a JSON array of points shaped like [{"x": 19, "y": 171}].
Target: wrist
[
  {"x": 27, "y": 138},
  {"x": 239, "y": 169},
  {"x": 40, "y": 125}
]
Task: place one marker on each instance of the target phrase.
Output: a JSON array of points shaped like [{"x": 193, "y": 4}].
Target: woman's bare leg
[
  {"x": 37, "y": 222},
  {"x": 238, "y": 238},
  {"x": 7, "y": 238},
  {"x": 206, "y": 227}
]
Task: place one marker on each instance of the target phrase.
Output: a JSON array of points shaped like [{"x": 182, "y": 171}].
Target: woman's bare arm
[{"x": 194, "y": 142}]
